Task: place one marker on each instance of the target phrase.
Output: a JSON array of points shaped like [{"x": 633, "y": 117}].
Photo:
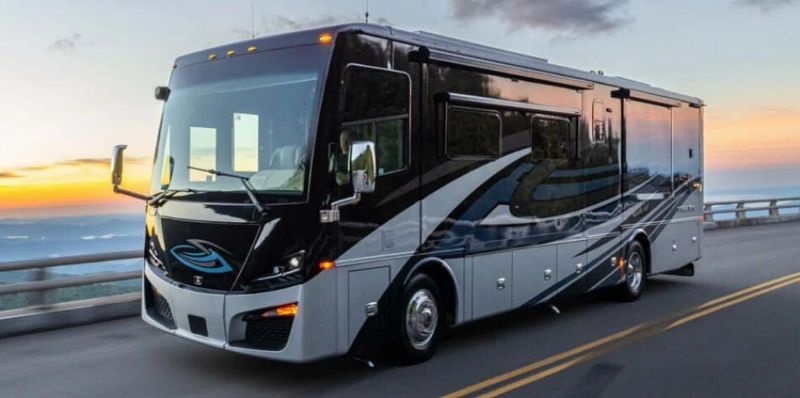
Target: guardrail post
[
  {"x": 774, "y": 211},
  {"x": 40, "y": 298},
  {"x": 708, "y": 216},
  {"x": 741, "y": 213}
]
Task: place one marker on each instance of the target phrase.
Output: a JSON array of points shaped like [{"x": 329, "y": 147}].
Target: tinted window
[
  {"x": 553, "y": 138},
  {"x": 516, "y": 131},
  {"x": 648, "y": 148},
  {"x": 375, "y": 107},
  {"x": 599, "y": 157},
  {"x": 686, "y": 130},
  {"x": 472, "y": 133},
  {"x": 551, "y": 186},
  {"x": 252, "y": 115}
]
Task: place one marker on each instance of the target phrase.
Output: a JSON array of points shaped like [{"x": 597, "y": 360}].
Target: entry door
[
  {"x": 376, "y": 106},
  {"x": 688, "y": 181}
]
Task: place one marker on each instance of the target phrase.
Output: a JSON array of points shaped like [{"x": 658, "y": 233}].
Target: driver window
[{"x": 374, "y": 107}]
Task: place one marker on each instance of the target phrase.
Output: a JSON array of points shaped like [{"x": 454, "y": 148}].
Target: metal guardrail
[
  {"x": 41, "y": 283},
  {"x": 742, "y": 207}
]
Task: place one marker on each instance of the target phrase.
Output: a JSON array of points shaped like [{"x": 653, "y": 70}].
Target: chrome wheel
[
  {"x": 634, "y": 273},
  {"x": 422, "y": 318}
]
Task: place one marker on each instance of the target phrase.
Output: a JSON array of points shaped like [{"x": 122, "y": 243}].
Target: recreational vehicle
[{"x": 334, "y": 190}]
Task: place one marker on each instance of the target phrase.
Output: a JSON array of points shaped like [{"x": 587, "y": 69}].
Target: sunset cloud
[
  {"x": 767, "y": 5},
  {"x": 754, "y": 138},
  {"x": 570, "y": 16},
  {"x": 69, "y": 183},
  {"x": 63, "y": 165},
  {"x": 66, "y": 45},
  {"x": 8, "y": 174}
]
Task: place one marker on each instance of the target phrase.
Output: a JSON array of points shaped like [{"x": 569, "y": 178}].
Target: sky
[{"x": 77, "y": 77}]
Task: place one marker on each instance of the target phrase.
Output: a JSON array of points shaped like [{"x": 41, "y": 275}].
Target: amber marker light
[
  {"x": 326, "y": 264},
  {"x": 230, "y": 53},
  {"x": 284, "y": 310},
  {"x": 212, "y": 56},
  {"x": 325, "y": 38},
  {"x": 251, "y": 49},
  {"x": 621, "y": 265}
]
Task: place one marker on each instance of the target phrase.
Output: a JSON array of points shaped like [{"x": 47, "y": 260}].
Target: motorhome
[{"x": 334, "y": 190}]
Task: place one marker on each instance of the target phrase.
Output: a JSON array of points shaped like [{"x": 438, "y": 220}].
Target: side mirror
[
  {"x": 116, "y": 173},
  {"x": 162, "y": 93},
  {"x": 363, "y": 166},
  {"x": 116, "y": 164}
]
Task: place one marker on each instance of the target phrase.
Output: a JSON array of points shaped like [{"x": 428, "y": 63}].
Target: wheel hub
[
  {"x": 422, "y": 318},
  {"x": 634, "y": 273}
]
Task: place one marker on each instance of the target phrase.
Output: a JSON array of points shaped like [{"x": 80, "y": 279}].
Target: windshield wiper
[
  {"x": 167, "y": 194},
  {"x": 251, "y": 193}
]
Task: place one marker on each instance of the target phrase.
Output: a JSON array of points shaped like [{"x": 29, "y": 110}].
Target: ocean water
[
  {"x": 35, "y": 238},
  {"x": 23, "y": 239},
  {"x": 727, "y": 194}
]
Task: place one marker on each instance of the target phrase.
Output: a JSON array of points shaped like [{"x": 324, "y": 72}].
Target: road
[{"x": 744, "y": 344}]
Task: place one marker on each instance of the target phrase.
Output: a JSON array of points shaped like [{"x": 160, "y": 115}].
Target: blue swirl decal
[{"x": 201, "y": 255}]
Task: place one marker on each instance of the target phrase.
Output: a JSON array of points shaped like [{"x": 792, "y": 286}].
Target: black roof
[{"x": 439, "y": 43}]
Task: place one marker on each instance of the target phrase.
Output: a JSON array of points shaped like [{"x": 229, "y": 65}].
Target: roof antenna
[
  {"x": 366, "y": 14},
  {"x": 252, "y": 21}
]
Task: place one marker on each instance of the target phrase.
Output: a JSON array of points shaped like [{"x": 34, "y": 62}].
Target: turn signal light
[
  {"x": 325, "y": 38},
  {"x": 326, "y": 264},
  {"x": 284, "y": 310}
]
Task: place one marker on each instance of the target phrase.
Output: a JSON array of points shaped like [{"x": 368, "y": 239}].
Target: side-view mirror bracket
[{"x": 117, "y": 159}]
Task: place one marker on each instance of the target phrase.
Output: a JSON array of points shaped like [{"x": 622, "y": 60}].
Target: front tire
[
  {"x": 419, "y": 321},
  {"x": 634, "y": 279}
]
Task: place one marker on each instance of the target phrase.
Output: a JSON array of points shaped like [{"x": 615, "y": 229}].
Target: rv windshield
[{"x": 251, "y": 115}]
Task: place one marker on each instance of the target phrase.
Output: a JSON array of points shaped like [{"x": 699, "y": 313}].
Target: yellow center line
[
  {"x": 748, "y": 290},
  {"x": 586, "y": 357},
  {"x": 539, "y": 364},
  {"x": 712, "y": 310},
  {"x": 649, "y": 329}
]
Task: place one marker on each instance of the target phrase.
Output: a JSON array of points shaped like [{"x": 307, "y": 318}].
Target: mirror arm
[
  {"x": 136, "y": 195},
  {"x": 332, "y": 215}
]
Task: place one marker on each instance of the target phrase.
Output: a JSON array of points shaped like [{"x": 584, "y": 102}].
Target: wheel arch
[
  {"x": 444, "y": 276},
  {"x": 639, "y": 235}
]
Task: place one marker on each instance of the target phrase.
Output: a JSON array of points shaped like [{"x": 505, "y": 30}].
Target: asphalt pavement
[{"x": 731, "y": 330}]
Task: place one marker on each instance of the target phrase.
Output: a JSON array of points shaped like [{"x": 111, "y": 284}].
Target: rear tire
[
  {"x": 634, "y": 281},
  {"x": 419, "y": 320}
]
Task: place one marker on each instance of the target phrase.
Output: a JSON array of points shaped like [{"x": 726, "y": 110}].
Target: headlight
[{"x": 287, "y": 265}]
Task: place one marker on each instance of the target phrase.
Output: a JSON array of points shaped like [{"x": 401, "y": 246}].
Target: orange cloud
[
  {"x": 66, "y": 183},
  {"x": 757, "y": 138}
]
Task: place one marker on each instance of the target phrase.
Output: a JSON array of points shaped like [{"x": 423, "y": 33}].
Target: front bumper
[{"x": 312, "y": 335}]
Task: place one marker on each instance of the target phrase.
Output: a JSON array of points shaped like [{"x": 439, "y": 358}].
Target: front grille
[
  {"x": 158, "y": 308},
  {"x": 162, "y": 308},
  {"x": 269, "y": 333}
]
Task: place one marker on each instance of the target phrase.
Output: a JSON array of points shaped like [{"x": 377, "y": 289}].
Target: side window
[
  {"x": 472, "y": 133},
  {"x": 374, "y": 107},
  {"x": 648, "y": 148},
  {"x": 551, "y": 187},
  {"x": 599, "y": 133},
  {"x": 553, "y": 138}
]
